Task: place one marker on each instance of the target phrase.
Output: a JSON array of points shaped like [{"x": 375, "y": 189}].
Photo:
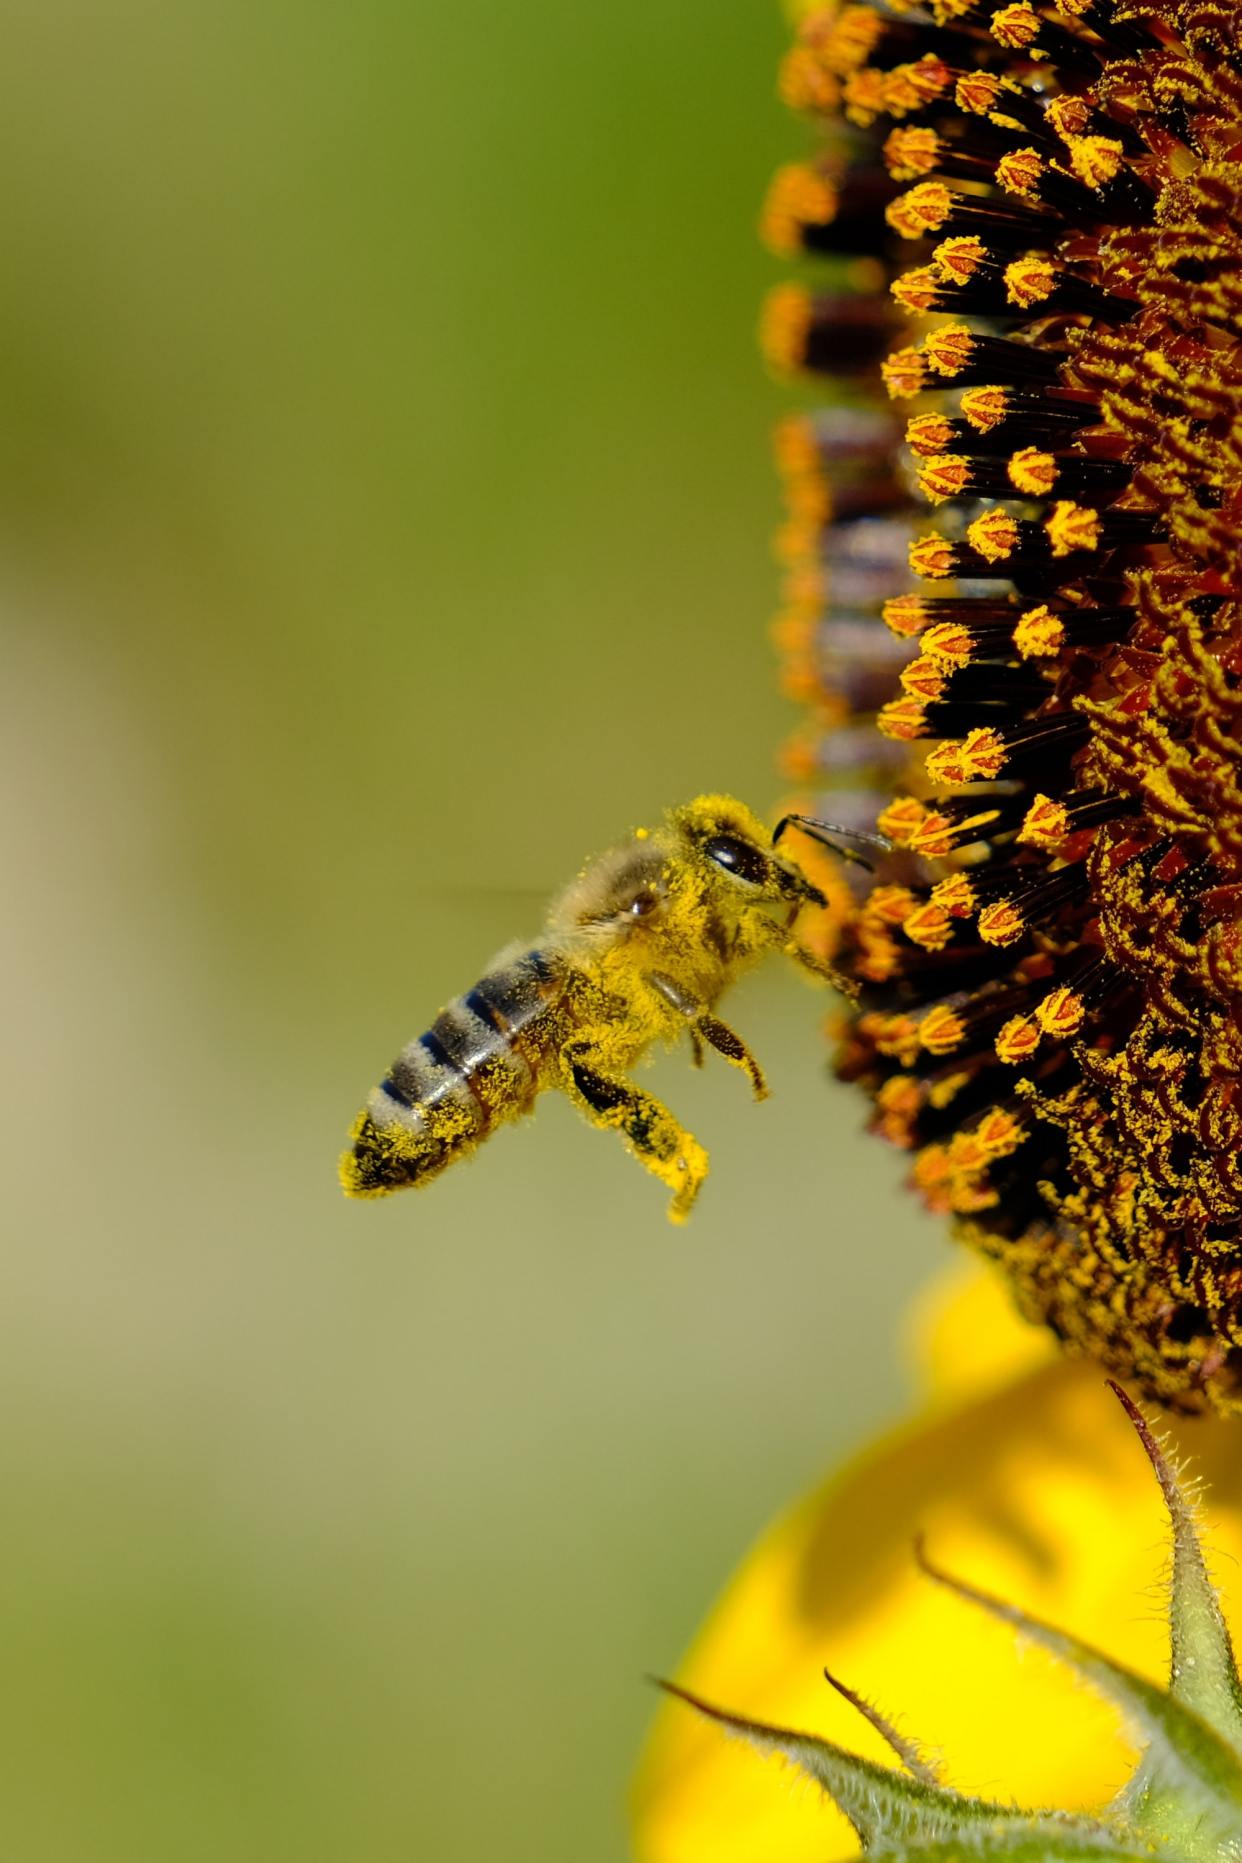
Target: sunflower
[{"x": 1029, "y": 303}]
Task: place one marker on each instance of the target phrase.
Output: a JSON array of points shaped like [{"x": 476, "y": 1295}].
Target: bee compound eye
[
  {"x": 737, "y": 857},
  {"x": 643, "y": 904}
]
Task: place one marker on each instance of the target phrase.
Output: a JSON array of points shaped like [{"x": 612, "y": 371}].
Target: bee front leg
[
  {"x": 705, "y": 1027},
  {"x": 647, "y": 1126},
  {"x": 821, "y": 968},
  {"x": 722, "y": 1038}
]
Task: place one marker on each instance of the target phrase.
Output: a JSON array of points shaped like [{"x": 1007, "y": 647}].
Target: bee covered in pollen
[{"x": 635, "y": 953}]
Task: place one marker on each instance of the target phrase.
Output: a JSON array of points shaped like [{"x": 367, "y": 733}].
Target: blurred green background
[{"x": 384, "y": 524}]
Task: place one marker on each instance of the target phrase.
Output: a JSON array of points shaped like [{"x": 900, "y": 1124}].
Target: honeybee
[{"x": 637, "y": 951}]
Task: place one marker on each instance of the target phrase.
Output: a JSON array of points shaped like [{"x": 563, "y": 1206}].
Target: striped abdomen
[{"x": 477, "y": 1066}]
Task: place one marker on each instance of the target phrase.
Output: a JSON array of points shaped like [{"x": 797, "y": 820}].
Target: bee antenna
[{"x": 831, "y": 834}]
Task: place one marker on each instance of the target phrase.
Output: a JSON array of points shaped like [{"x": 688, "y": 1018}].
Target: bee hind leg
[{"x": 652, "y": 1133}]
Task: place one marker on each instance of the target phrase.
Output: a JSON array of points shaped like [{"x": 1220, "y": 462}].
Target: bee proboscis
[{"x": 635, "y": 953}]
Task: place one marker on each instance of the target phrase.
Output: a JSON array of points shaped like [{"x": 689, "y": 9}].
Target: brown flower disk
[{"x": 1026, "y": 224}]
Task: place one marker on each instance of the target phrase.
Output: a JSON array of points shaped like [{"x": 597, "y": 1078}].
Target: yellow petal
[
  {"x": 965, "y": 1336},
  {"x": 1035, "y": 1488}
]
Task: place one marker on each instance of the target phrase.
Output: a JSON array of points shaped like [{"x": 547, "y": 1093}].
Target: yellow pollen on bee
[
  {"x": 941, "y": 1030},
  {"x": 1039, "y": 634},
  {"x": 1032, "y": 472},
  {"x": 979, "y": 757},
  {"x": 909, "y": 153},
  {"x": 1096, "y": 160},
  {"x": 1061, "y": 1012},
  {"x": 1029, "y": 281},
  {"x": 985, "y": 408},
  {"x": 949, "y": 642},
  {"x": 916, "y": 290},
  {"x": 1019, "y": 171},
  {"x": 1017, "y": 1041},
  {"x": 932, "y": 557},
  {"x": 928, "y": 926},
  {"x": 994, "y": 535},
  {"x": 1072, "y": 527},
  {"x": 906, "y": 615},
  {"x": 920, "y": 210},
  {"x": 904, "y": 373},
  {"x": 946, "y": 475},
  {"x": 954, "y": 895},
  {"x": 929, "y": 434},
  {"x": 1045, "y": 824},
  {"x": 1001, "y": 923},
  {"x": 901, "y": 819},
  {"x": 948, "y": 349},
  {"x": 799, "y": 196},
  {"x": 958, "y": 259},
  {"x": 903, "y": 719},
  {"x": 784, "y": 326}
]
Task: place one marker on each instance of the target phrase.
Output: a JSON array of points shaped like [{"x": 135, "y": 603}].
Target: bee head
[
  {"x": 735, "y": 854},
  {"x": 732, "y": 845}
]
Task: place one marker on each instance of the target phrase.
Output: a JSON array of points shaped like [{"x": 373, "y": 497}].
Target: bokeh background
[{"x": 384, "y": 517}]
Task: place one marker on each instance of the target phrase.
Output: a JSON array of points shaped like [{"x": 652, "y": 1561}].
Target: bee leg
[
  {"x": 733, "y": 1048},
  {"x": 706, "y": 1028},
  {"x": 648, "y": 1128},
  {"x": 820, "y": 967}
]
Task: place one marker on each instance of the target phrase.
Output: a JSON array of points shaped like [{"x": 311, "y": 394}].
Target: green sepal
[
  {"x": 1184, "y": 1756},
  {"x": 1182, "y": 1805},
  {"x": 1203, "y": 1672},
  {"x": 1036, "y": 1846},
  {"x": 888, "y": 1810}
]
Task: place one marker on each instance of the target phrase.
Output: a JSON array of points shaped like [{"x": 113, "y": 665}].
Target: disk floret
[{"x": 1034, "y": 217}]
